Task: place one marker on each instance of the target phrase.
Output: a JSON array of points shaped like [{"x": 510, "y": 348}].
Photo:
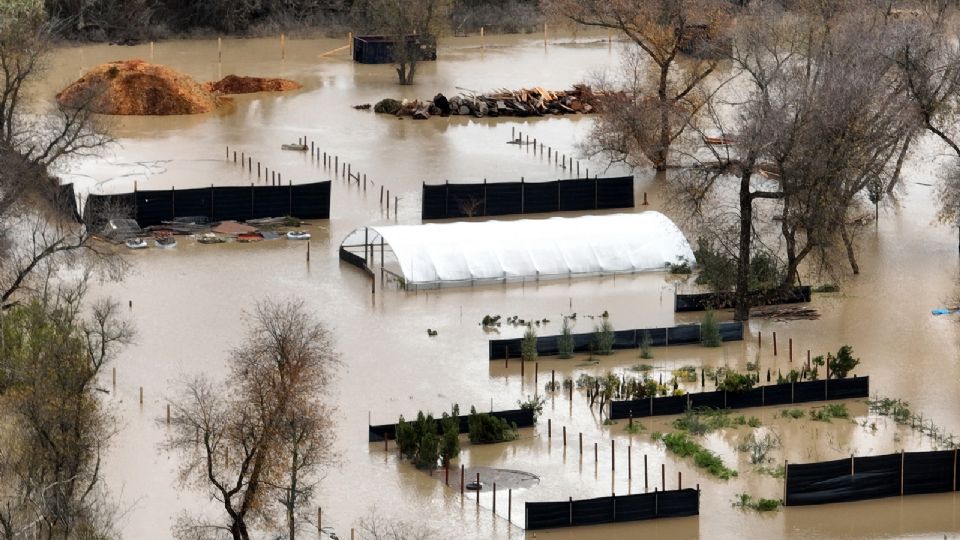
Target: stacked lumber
[{"x": 536, "y": 101}]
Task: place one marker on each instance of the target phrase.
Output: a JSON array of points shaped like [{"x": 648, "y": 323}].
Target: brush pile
[{"x": 535, "y": 101}]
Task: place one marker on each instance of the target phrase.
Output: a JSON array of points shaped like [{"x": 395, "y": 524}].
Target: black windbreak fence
[
  {"x": 871, "y": 477},
  {"x": 703, "y": 301},
  {"x": 442, "y": 201},
  {"x": 613, "y": 509},
  {"x": 625, "y": 339},
  {"x": 776, "y": 394},
  {"x": 519, "y": 417},
  {"x": 153, "y": 207}
]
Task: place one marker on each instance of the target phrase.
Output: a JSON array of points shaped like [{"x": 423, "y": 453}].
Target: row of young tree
[{"x": 817, "y": 104}]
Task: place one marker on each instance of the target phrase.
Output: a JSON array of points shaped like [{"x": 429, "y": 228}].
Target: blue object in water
[{"x": 941, "y": 312}]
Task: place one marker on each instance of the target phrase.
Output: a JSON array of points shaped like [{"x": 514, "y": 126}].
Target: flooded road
[{"x": 189, "y": 306}]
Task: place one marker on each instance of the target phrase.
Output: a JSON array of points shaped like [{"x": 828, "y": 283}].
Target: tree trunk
[
  {"x": 292, "y": 497},
  {"x": 851, "y": 256},
  {"x": 895, "y": 179},
  {"x": 663, "y": 149},
  {"x": 742, "y": 294}
]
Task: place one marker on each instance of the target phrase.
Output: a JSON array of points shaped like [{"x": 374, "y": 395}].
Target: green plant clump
[
  {"x": 736, "y": 383},
  {"x": 747, "y": 502},
  {"x": 420, "y": 443},
  {"x": 710, "y": 330},
  {"x": 828, "y": 412},
  {"x": 842, "y": 364},
  {"x": 528, "y": 345},
  {"x": 485, "y": 428},
  {"x": 534, "y": 404},
  {"x": 682, "y": 445},
  {"x": 792, "y": 413},
  {"x": 604, "y": 337},
  {"x": 645, "y": 345}
]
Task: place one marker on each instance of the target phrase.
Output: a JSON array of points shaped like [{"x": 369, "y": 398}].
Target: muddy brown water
[{"x": 189, "y": 304}]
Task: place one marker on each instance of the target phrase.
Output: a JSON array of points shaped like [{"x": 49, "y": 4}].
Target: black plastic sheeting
[
  {"x": 621, "y": 508},
  {"x": 443, "y": 201},
  {"x": 521, "y": 417},
  {"x": 305, "y": 201},
  {"x": 700, "y": 302},
  {"x": 775, "y": 394},
  {"x": 871, "y": 477},
  {"x": 625, "y": 339}
]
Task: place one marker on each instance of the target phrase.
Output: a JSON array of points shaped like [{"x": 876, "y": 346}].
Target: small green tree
[
  {"x": 604, "y": 337},
  {"x": 645, "y": 343},
  {"x": 710, "y": 330},
  {"x": 565, "y": 342},
  {"x": 450, "y": 443},
  {"x": 842, "y": 364},
  {"x": 528, "y": 346}
]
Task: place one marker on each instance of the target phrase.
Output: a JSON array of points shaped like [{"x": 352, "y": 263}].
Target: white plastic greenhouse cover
[{"x": 484, "y": 250}]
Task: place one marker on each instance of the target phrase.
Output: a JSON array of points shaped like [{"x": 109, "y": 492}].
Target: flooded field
[{"x": 189, "y": 303}]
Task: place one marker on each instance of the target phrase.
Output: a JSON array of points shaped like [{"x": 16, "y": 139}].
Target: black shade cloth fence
[
  {"x": 776, "y": 394},
  {"x": 152, "y": 207},
  {"x": 613, "y": 509},
  {"x": 871, "y": 477},
  {"x": 624, "y": 339},
  {"x": 447, "y": 200},
  {"x": 520, "y": 417},
  {"x": 700, "y": 302}
]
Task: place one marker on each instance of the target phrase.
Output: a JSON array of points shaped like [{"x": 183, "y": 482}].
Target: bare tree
[
  {"x": 55, "y": 428},
  {"x": 375, "y": 526},
  {"x": 821, "y": 110},
  {"x": 408, "y": 22},
  {"x": 37, "y": 225},
  {"x": 261, "y": 434},
  {"x": 652, "y": 113}
]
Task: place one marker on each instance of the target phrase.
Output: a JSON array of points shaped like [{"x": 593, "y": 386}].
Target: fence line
[
  {"x": 624, "y": 339},
  {"x": 769, "y": 395},
  {"x": 448, "y": 200},
  {"x": 702, "y": 301},
  {"x": 613, "y": 509},
  {"x": 871, "y": 477}
]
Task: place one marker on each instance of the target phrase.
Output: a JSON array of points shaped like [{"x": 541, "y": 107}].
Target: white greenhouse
[{"x": 463, "y": 253}]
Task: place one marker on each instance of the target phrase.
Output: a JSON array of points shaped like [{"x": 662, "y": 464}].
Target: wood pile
[
  {"x": 525, "y": 102},
  {"x": 785, "y": 313},
  {"x": 236, "y": 84}
]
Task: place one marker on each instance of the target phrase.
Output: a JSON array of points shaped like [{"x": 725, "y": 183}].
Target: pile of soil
[
  {"x": 235, "y": 84},
  {"x": 134, "y": 87}
]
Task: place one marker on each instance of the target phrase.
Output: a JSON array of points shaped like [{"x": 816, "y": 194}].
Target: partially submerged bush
[
  {"x": 528, "y": 345},
  {"x": 682, "y": 445},
  {"x": 736, "y": 383},
  {"x": 387, "y": 106},
  {"x": 604, "y": 337},
  {"x": 710, "y": 330},
  {"x": 486, "y": 428}
]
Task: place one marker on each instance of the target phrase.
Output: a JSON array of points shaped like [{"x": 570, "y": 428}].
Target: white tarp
[{"x": 556, "y": 246}]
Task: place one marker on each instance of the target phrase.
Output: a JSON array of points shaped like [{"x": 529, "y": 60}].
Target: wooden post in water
[
  {"x": 141, "y": 395},
  {"x": 646, "y": 477},
  {"x": 581, "y": 444},
  {"x": 774, "y": 343},
  {"x": 168, "y": 414},
  {"x": 596, "y": 456},
  {"x": 629, "y": 462},
  {"x": 553, "y": 379},
  {"x": 549, "y": 428},
  {"x": 790, "y": 342},
  {"x": 461, "y": 480},
  {"x": 663, "y": 477},
  {"x": 494, "y": 497},
  {"x": 283, "y": 55},
  {"x": 679, "y": 480},
  {"x": 319, "y": 520},
  {"x": 564, "y": 436},
  {"x": 114, "y": 378},
  {"x": 509, "y": 505},
  {"x": 613, "y": 455}
]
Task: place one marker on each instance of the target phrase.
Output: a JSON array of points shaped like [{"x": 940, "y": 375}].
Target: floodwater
[{"x": 189, "y": 304}]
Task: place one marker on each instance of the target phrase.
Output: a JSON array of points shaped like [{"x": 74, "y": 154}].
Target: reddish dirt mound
[
  {"x": 134, "y": 87},
  {"x": 235, "y": 84}
]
